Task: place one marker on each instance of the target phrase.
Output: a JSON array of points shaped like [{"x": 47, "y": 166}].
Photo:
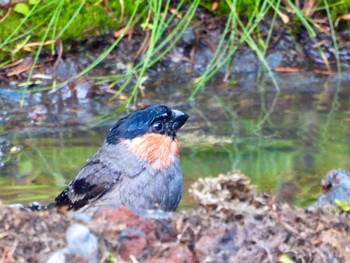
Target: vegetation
[{"x": 44, "y": 24}]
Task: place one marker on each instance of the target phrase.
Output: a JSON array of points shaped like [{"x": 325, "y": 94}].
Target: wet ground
[
  {"x": 234, "y": 223},
  {"x": 285, "y": 141}
]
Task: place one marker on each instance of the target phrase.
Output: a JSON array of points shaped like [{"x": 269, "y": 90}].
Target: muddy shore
[
  {"x": 234, "y": 223},
  {"x": 291, "y": 54}
]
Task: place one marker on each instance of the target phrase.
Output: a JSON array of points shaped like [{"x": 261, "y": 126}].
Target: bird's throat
[{"x": 157, "y": 149}]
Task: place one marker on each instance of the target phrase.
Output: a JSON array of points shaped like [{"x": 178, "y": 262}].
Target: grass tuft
[{"x": 45, "y": 24}]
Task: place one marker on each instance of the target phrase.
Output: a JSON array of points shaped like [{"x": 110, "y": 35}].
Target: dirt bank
[
  {"x": 291, "y": 52},
  {"x": 290, "y": 48},
  {"x": 233, "y": 224}
]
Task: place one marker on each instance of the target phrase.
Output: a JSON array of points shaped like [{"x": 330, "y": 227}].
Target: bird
[{"x": 137, "y": 166}]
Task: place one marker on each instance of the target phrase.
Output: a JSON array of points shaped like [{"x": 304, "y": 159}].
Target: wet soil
[
  {"x": 234, "y": 223},
  {"x": 291, "y": 49}
]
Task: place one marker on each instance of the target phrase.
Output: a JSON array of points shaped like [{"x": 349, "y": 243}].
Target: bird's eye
[{"x": 158, "y": 127}]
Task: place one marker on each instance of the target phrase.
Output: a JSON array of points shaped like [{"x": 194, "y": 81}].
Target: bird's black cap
[{"x": 157, "y": 119}]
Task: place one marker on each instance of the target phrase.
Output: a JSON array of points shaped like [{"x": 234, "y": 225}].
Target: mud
[
  {"x": 291, "y": 50},
  {"x": 234, "y": 223}
]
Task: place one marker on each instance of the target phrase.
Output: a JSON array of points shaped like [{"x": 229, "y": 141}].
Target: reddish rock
[
  {"x": 180, "y": 254},
  {"x": 134, "y": 233},
  {"x": 132, "y": 246},
  {"x": 124, "y": 215},
  {"x": 117, "y": 214},
  {"x": 172, "y": 253}
]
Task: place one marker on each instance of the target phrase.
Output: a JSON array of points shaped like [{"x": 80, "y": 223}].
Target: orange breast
[{"x": 159, "y": 150}]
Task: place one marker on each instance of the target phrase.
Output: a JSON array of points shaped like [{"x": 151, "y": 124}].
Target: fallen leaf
[
  {"x": 324, "y": 71},
  {"x": 214, "y": 5},
  {"x": 120, "y": 32},
  {"x": 345, "y": 17},
  {"x": 343, "y": 205},
  {"x": 175, "y": 12},
  {"x": 285, "y": 259},
  {"x": 22, "y": 8},
  {"x": 284, "y": 17},
  {"x": 286, "y": 69}
]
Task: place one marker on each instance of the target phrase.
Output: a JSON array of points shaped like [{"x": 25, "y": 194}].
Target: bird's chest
[
  {"x": 159, "y": 151},
  {"x": 154, "y": 189}
]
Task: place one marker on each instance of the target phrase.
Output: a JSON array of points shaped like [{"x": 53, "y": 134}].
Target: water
[{"x": 285, "y": 141}]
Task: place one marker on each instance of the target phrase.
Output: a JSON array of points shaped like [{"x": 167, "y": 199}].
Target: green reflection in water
[{"x": 287, "y": 153}]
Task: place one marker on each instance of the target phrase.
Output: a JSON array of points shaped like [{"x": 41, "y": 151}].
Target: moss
[
  {"x": 95, "y": 18},
  {"x": 242, "y": 7}
]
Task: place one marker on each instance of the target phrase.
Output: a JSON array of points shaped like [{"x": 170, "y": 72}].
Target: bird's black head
[{"x": 157, "y": 119}]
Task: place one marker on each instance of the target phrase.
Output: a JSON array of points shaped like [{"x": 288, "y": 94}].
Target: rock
[
  {"x": 275, "y": 60},
  {"x": 154, "y": 214},
  {"x": 82, "y": 217},
  {"x": 56, "y": 257},
  {"x": 251, "y": 227},
  {"x": 82, "y": 243},
  {"x": 336, "y": 186},
  {"x": 82, "y": 246},
  {"x": 37, "y": 114},
  {"x": 188, "y": 36},
  {"x": 84, "y": 89},
  {"x": 180, "y": 254},
  {"x": 174, "y": 253},
  {"x": 66, "y": 69},
  {"x": 5, "y": 151},
  {"x": 245, "y": 60},
  {"x": 132, "y": 243},
  {"x": 136, "y": 233}
]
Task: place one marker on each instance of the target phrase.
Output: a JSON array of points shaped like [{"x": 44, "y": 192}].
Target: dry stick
[
  {"x": 6, "y": 15},
  {"x": 8, "y": 252},
  {"x": 59, "y": 56},
  {"x": 143, "y": 46},
  {"x": 192, "y": 56},
  {"x": 12, "y": 64},
  {"x": 22, "y": 67}
]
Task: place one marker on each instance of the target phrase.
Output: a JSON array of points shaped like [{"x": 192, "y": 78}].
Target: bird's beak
[{"x": 179, "y": 119}]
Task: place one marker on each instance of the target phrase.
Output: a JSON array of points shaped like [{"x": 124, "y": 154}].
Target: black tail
[{"x": 35, "y": 206}]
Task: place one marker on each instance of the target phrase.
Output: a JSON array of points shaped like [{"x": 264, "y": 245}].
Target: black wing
[{"x": 93, "y": 181}]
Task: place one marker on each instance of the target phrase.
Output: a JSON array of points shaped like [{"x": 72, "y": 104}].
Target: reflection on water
[{"x": 284, "y": 141}]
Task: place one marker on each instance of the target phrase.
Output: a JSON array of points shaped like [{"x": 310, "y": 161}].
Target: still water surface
[{"x": 285, "y": 142}]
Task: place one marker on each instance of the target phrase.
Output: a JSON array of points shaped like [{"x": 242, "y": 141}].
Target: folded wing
[{"x": 93, "y": 181}]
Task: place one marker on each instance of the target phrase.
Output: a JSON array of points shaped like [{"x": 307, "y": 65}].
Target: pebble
[{"x": 81, "y": 244}]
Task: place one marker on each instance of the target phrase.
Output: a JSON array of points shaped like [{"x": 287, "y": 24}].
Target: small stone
[
  {"x": 82, "y": 243},
  {"x": 335, "y": 186},
  {"x": 188, "y": 36},
  {"x": 57, "y": 257},
  {"x": 84, "y": 89},
  {"x": 37, "y": 113}
]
